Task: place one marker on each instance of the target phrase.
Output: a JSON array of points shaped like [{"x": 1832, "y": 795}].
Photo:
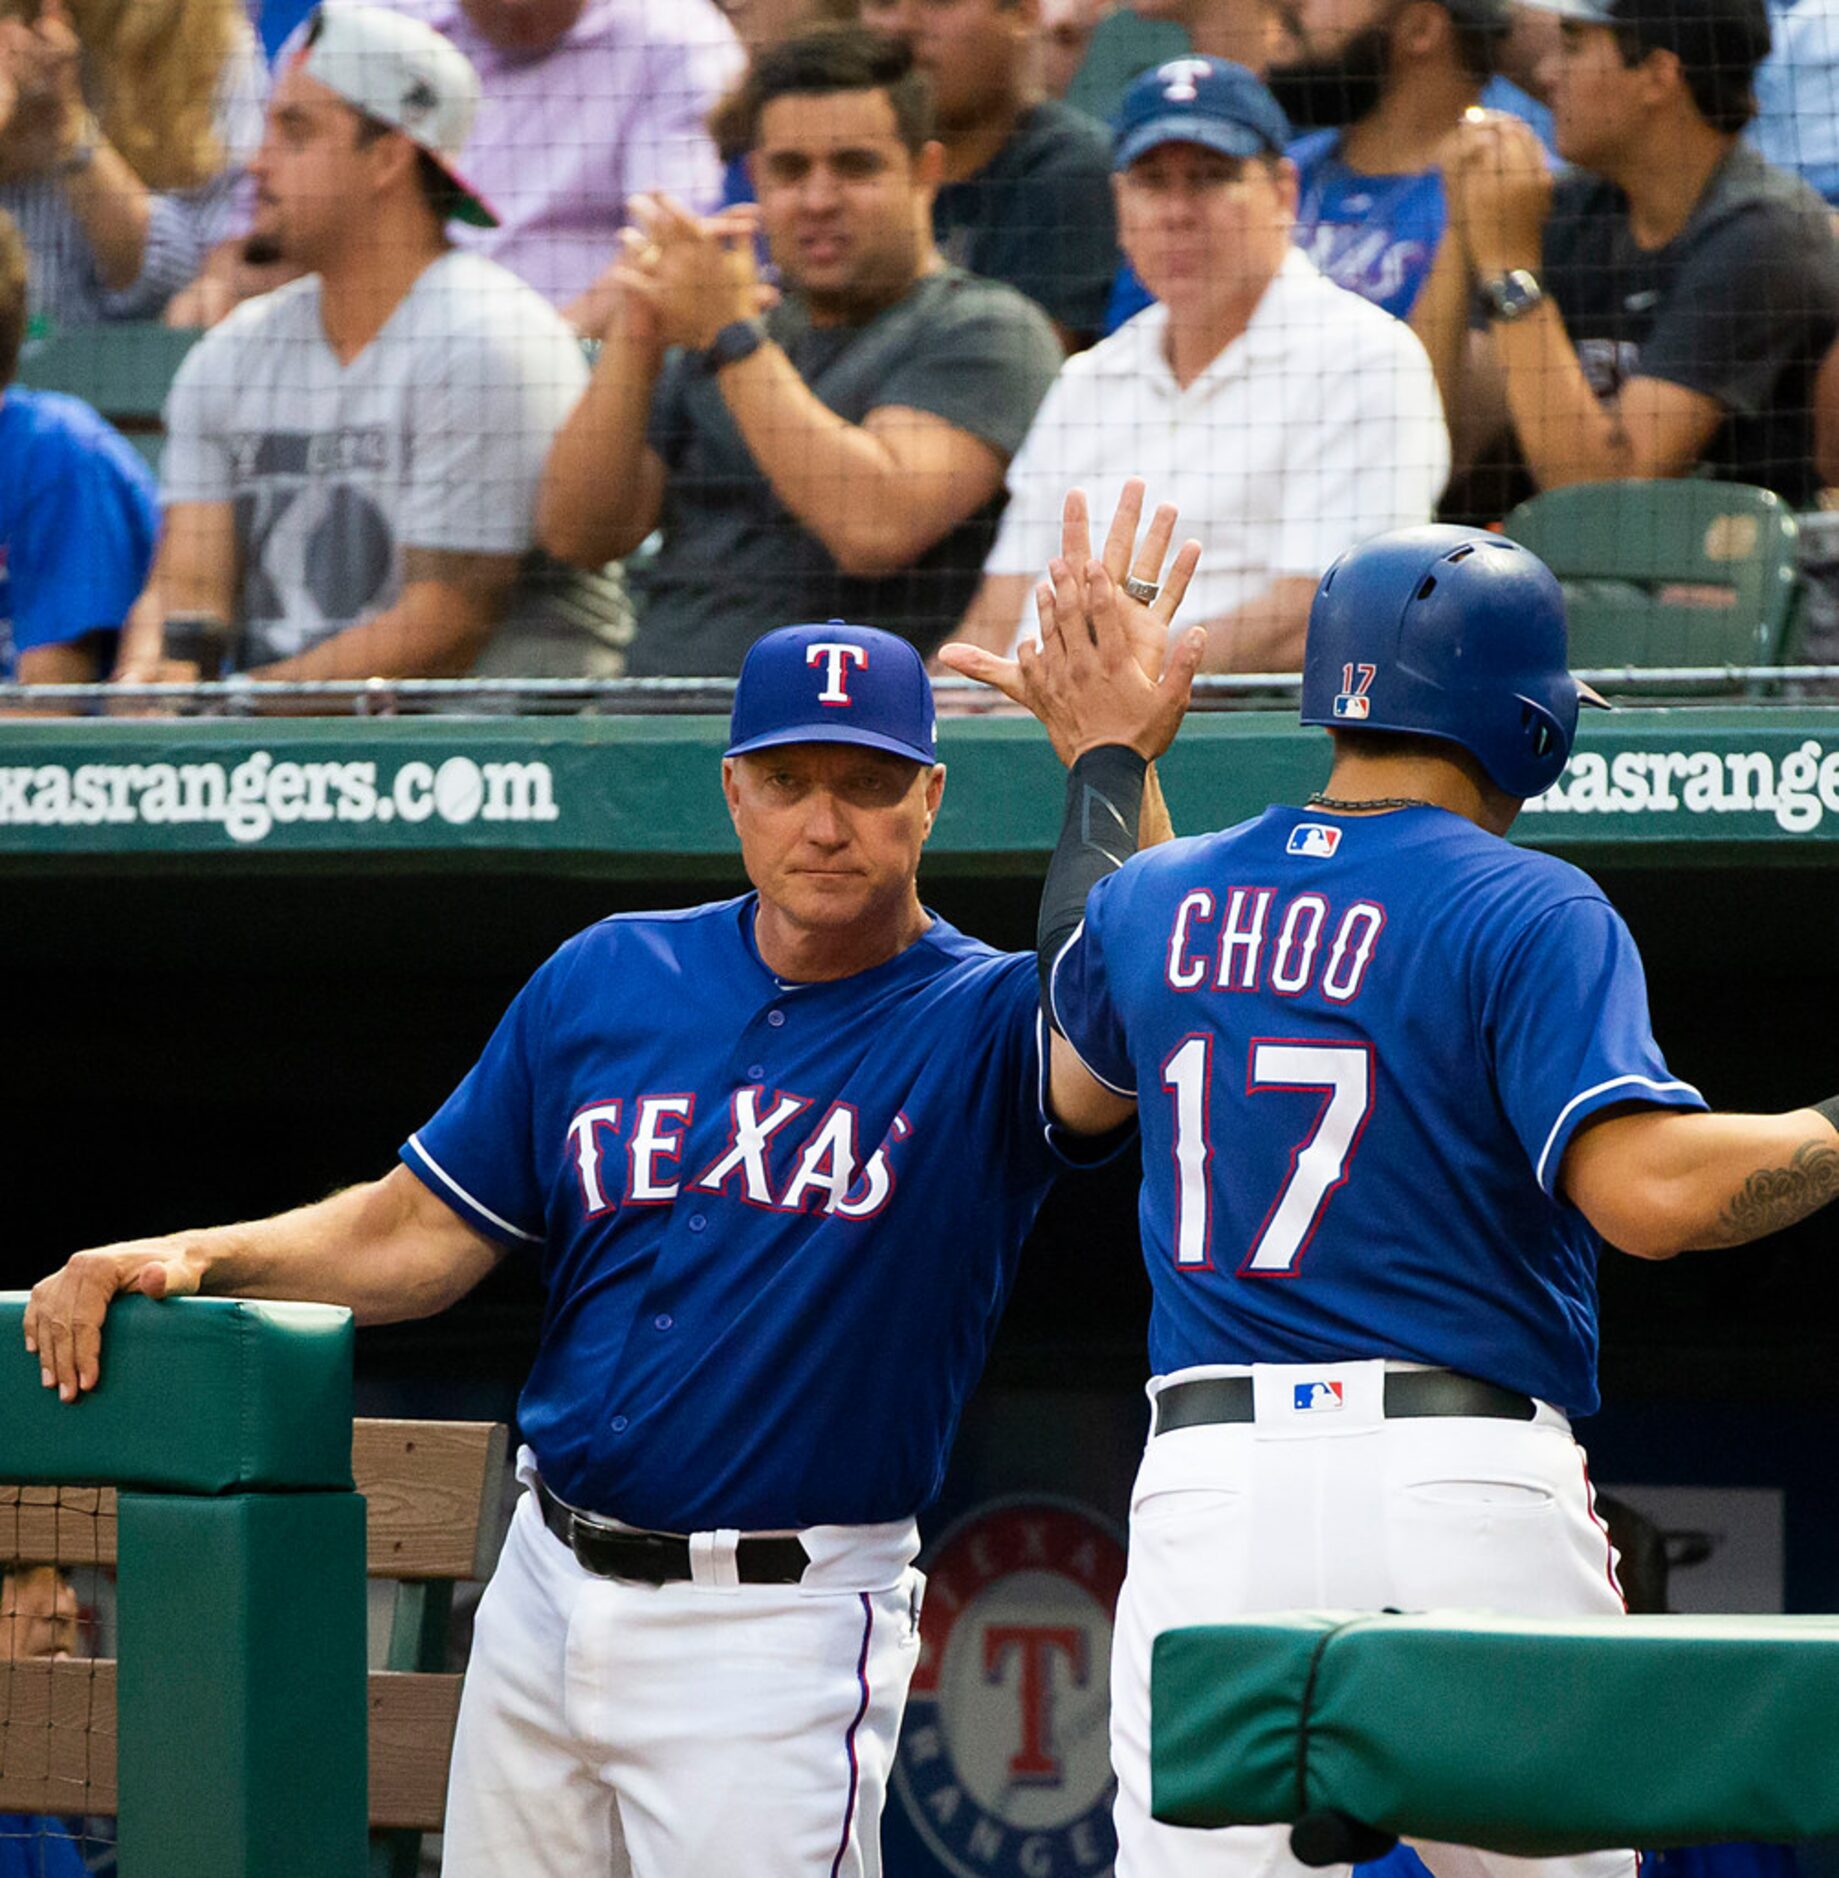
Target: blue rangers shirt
[
  {"x": 78, "y": 521},
  {"x": 776, "y": 1222},
  {"x": 1375, "y": 235},
  {"x": 1360, "y": 1048}
]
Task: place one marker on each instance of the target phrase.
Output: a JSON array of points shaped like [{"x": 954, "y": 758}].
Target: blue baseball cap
[
  {"x": 834, "y": 684},
  {"x": 1211, "y": 102}
]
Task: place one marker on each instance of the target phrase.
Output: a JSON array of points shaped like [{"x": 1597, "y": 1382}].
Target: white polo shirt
[{"x": 1317, "y": 427}]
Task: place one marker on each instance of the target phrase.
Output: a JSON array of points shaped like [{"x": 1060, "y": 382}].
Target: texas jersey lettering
[{"x": 711, "y": 1205}]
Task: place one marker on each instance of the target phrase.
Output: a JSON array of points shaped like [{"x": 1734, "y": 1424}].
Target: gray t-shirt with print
[{"x": 434, "y": 436}]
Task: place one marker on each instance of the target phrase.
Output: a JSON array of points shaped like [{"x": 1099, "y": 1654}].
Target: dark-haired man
[
  {"x": 352, "y": 462},
  {"x": 841, "y": 455},
  {"x": 1026, "y": 193},
  {"x": 1669, "y": 304}
]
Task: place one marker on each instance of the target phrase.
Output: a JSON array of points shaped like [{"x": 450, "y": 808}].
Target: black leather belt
[
  {"x": 662, "y": 1558},
  {"x": 1408, "y": 1392}
]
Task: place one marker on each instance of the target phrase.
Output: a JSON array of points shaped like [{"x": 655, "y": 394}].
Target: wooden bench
[{"x": 433, "y": 1493}]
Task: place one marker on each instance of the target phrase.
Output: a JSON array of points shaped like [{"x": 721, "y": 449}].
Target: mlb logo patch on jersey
[
  {"x": 1352, "y": 704},
  {"x": 1317, "y": 840},
  {"x": 1316, "y": 1398}
]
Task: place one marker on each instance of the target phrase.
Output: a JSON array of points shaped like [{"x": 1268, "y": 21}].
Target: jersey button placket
[
  {"x": 662, "y": 1321},
  {"x": 776, "y": 1018}
]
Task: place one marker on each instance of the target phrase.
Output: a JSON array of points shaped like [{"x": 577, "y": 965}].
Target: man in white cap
[{"x": 352, "y": 461}]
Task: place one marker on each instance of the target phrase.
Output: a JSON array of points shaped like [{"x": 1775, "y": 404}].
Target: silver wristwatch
[{"x": 1513, "y": 295}]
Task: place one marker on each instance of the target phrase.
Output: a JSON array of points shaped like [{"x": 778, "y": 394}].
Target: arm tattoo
[{"x": 1774, "y": 1197}]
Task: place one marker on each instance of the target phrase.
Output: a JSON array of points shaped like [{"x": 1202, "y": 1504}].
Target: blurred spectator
[
  {"x": 123, "y": 131},
  {"x": 1671, "y": 304},
  {"x": 842, "y": 456},
  {"x": 1123, "y": 45},
  {"x": 1248, "y": 32},
  {"x": 765, "y": 22},
  {"x": 352, "y": 462},
  {"x": 1026, "y": 192},
  {"x": 77, "y": 516},
  {"x": 1378, "y": 88},
  {"x": 1284, "y": 416},
  {"x": 38, "y": 1618},
  {"x": 1797, "y": 96},
  {"x": 1067, "y": 27},
  {"x": 584, "y": 104},
  {"x": 760, "y": 23},
  {"x": 1523, "y": 60}
]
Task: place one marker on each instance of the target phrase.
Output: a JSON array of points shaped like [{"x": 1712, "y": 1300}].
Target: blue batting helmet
[{"x": 1452, "y": 633}]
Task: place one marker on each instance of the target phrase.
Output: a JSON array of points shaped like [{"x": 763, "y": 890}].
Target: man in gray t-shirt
[
  {"x": 842, "y": 456},
  {"x": 352, "y": 462}
]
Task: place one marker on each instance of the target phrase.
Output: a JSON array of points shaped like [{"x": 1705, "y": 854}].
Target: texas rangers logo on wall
[{"x": 1004, "y": 1766}]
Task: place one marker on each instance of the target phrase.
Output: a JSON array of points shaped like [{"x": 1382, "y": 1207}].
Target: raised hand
[
  {"x": 1144, "y": 622},
  {"x": 1085, "y": 682}
]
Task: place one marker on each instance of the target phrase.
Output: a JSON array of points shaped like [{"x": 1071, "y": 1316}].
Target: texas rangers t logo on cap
[
  {"x": 1180, "y": 79},
  {"x": 836, "y": 655},
  {"x": 834, "y": 683}
]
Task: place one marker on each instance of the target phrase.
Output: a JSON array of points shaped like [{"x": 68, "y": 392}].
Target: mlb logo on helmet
[
  {"x": 1317, "y": 840},
  {"x": 1352, "y": 704},
  {"x": 834, "y": 683},
  {"x": 1316, "y": 1398}
]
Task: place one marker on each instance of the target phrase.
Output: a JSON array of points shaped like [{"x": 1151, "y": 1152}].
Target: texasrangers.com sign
[
  {"x": 250, "y": 799},
  {"x": 1004, "y": 1766},
  {"x": 1796, "y": 788}
]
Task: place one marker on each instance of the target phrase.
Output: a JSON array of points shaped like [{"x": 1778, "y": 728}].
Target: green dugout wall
[
  {"x": 246, "y": 958},
  {"x": 240, "y": 1692}
]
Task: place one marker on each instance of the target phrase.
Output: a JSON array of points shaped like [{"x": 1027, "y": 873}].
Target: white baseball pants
[
  {"x": 615, "y": 1730},
  {"x": 1342, "y": 1510}
]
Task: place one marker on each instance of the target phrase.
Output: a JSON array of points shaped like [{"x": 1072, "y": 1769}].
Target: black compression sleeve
[
  {"x": 1830, "y": 1109},
  {"x": 1104, "y": 798}
]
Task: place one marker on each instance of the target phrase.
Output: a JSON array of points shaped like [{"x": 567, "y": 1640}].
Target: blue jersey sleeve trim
[
  {"x": 1053, "y": 984},
  {"x": 483, "y": 1214},
  {"x": 1637, "y": 1086}
]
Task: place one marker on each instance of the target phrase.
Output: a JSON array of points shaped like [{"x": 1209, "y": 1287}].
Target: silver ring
[{"x": 1144, "y": 590}]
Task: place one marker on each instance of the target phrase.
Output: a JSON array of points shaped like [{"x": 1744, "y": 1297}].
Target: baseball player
[
  {"x": 1397, "y": 1085},
  {"x": 775, "y": 1158}
]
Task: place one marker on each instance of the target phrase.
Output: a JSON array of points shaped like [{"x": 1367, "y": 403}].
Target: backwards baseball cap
[
  {"x": 834, "y": 684},
  {"x": 1211, "y": 102},
  {"x": 1727, "y": 36},
  {"x": 403, "y": 74}
]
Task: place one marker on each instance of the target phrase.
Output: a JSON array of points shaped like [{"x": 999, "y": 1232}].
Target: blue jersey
[
  {"x": 78, "y": 520},
  {"x": 777, "y": 1222},
  {"x": 1360, "y": 1048},
  {"x": 1375, "y": 235}
]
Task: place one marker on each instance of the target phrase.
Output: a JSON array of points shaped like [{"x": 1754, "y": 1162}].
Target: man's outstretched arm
[
  {"x": 1657, "y": 1182},
  {"x": 1097, "y": 682},
  {"x": 387, "y": 1250}
]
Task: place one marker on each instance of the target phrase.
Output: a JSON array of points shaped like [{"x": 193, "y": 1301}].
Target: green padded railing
[
  {"x": 241, "y": 1688},
  {"x": 1519, "y": 1735}
]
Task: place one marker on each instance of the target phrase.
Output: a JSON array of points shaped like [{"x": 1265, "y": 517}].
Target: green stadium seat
[
  {"x": 125, "y": 371},
  {"x": 1694, "y": 573}
]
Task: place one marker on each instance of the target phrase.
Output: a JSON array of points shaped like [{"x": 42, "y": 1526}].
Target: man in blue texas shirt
[
  {"x": 775, "y": 1158},
  {"x": 78, "y": 516}
]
